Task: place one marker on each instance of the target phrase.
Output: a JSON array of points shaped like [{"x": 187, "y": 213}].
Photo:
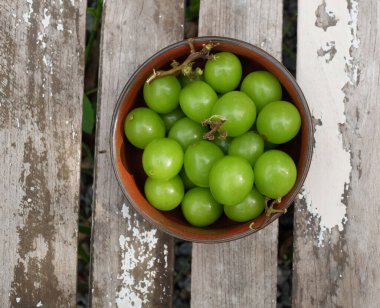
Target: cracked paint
[
  {"x": 325, "y": 17},
  {"x": 325, "y": 189},
  {"x": 327, "y": 52},
  {"x": 136, "y": 251}
]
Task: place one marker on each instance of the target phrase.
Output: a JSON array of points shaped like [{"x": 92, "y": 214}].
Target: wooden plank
[
  {"x": 242, "y": 273},
  {"x": 336, "y": 236},
  {"x": 41, "y": 86},
  {"x": 131, "y": 261}
]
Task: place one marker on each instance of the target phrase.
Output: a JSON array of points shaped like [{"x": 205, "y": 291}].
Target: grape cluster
[{"x": 209, "y": 143}]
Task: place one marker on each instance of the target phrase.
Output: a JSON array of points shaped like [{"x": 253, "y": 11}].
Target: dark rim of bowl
[{"x": 262, "y": 53}]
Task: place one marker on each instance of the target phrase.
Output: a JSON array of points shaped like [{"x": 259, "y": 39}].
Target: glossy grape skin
[
  {"x": 279, "y": 122},
  {"x": 171, "y": 117},
  {"x": 200, "y": 208},
  {"x": 162, "y": 159},
  {"x": 224, "y": 72},
  {"x": 164, "y": 195},
  {"x": 275, "y": 174},
  {"x": 162, "y": 94},
  {"x": 238, "y": 110},
  {"x": 249, "y": 146},
  {"x": 198, "y": 160},
  {"x": 231, "y": 178},
  {"x": 142, "y": 125},
  {"x": 197, "y": 100},
  {"x": 262, "y": 87},
  {"x": 250, "y": 208},
  {"x": 186, "y": 132}
]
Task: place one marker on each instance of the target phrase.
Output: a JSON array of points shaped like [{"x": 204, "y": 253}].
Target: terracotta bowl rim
[{"x": 296, "y": 190}]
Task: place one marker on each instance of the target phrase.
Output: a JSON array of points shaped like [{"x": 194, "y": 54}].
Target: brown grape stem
[
  {"x": 269, "y": 211},
  {"x": 186, "y": 67},
  {"x": 215, "y": 123}
]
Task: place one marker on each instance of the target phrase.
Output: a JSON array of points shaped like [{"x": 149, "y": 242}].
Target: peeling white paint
[
  {"x": 40, "y": 39},
  {"x": 46, "y": 59},
  {"x": 39, "y": 304},
  {"x": 40, "y": 36},
  {"x": 26, "y": 16},
  {"x": 39, "y": 251},
  {"x": 18, "y": 299},
  {"x": 327, "y": 51},
  {"x": 60, "y": 26},
  {"x": 166, "y": 252},
  {"x": 46, "y": 20},
  {"x": 352, "y": 65},
  {"x": 73, "y": 133},
  {"x": 136, "y": 252},
  {"x": 329, "y": 174}
]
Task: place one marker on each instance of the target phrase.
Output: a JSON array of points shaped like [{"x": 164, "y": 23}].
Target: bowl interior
[{"x": 127, "y": 159}]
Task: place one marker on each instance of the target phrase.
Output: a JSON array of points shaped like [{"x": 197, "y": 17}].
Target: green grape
[
  {"x": 200, "y": 208},
  {"x": 275, "y": 174},
  {"x": 142, "y": 125},
  {"x": 262, "y": 87},
  {"x": 278, "y": 122},
  {"x": 162, "y": 94},
  {"x": 197, "y": 100},
  {"x": 224, "y": 72},
  {"x": 250, "y": 208}
]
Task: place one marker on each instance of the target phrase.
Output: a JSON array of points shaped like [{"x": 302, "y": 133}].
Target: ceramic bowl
[{"x": 126, "y": 159}]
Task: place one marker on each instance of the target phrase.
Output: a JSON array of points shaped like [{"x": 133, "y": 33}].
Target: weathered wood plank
[
  {"x": 336, "y": 236},
  {"x": 41, "y": 86},
  {"x": 242, "y": 273},
  {"x": 131, "y": 261}
]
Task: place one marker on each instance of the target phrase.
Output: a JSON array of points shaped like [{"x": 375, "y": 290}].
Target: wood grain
[
  {"x": 131, "y": 261},
  {"x": 242, "y": 273},
  {"x": 336, "y": 236},
  {"x": 41, "y": 86}
]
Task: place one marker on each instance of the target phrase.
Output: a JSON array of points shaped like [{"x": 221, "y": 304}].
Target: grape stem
[
  {"x": 186, "y": 67},
  {"x": 215, "y": 123},
  {"x": 269, "y": 211}
]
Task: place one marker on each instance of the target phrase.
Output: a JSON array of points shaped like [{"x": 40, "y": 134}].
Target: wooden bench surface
[{"x": 336, "y": 246}]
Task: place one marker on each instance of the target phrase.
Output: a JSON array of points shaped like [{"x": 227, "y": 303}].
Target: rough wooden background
[
  {"x": 132, "y": 263},
  {"x": 241, "y": 273},
  {"x": 41, "y": 86},
  {"x": 337, "y": 248}
]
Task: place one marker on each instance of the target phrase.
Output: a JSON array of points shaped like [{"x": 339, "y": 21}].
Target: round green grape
[
  {"x": 262, "y": 87},
  {"x": 250, "y": 208},
  {"x": 249, "y": 146},
  {"x": 200, "y": 208},
  {"x": 162, "y": 159},
  {"x": 223, "y": 72},
  {"x": 142, "y": 125},
  {"x": 162, "y": 94},
  {"x": 275, "y": 174},
  {"x": 197, "y": 100},
  {"x": 279, "y": 122},
  {"x": 231, "y": 178},
  {"x": 164, "y": 195}
]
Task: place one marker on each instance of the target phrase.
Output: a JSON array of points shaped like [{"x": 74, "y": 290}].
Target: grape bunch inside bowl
[{"x": 211, "y": 139}]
